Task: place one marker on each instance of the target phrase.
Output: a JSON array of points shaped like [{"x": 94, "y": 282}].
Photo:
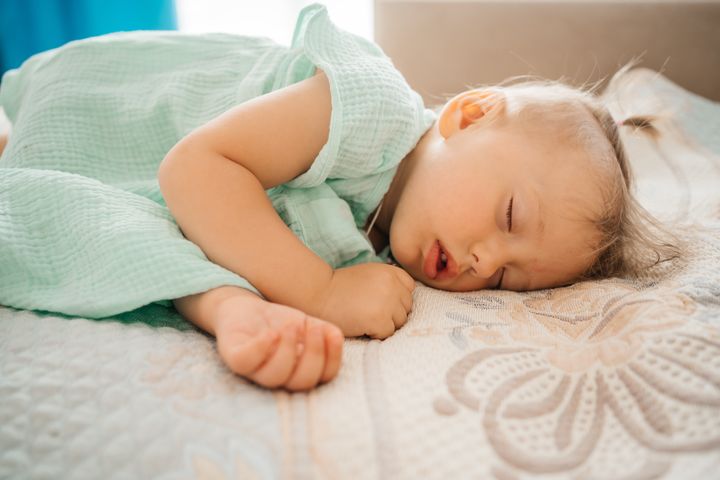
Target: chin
[{"x": 454, "y": 286}]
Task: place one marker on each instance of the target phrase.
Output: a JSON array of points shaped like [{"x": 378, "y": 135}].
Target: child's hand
[
  {"x": 275, "y": 345},
  {"x": 371, "y": 299}
]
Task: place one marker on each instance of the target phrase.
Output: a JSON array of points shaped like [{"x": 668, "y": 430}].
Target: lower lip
[{"x": 430, "y": 267}]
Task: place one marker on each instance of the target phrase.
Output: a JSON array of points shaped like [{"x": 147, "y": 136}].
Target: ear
[{"x": 468, "y": 108}]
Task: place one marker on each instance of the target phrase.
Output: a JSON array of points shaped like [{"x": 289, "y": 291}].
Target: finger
[
  {"x": 400, "y": 316},
  {"x": 244, "y": 358},
  {"x": 406, "y": 298},
  {"x": 405, "y": 279},
  {"x": 334, "y": 342},
  {"x": 385, "y": 330},
  {"x": 312, "y": 362},
  {"x": 279, "y": 367}
]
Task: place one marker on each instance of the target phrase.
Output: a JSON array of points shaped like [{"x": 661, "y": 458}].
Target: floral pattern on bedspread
[{"x": 597, "y": 377}]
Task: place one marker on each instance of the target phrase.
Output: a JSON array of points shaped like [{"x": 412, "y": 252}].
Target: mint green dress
[{"x": 84, "y": 229}]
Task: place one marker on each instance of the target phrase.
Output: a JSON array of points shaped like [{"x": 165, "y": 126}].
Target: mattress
[{"x": 612, "y": 379}]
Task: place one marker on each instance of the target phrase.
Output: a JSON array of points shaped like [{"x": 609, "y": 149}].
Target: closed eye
[{"x": 508, "y": 215}]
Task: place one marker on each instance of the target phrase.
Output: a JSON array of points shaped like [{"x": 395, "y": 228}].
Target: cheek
[
  {"x": 466, "y": 209},
  {"x": 451, "y": 207},
  {"x": 402, "y": 232}
]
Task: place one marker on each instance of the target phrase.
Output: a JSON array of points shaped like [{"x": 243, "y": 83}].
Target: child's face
[{"x": 457, "y": 191}]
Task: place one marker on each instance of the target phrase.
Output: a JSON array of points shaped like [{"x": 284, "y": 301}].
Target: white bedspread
[{"x": 601, "y": 380}]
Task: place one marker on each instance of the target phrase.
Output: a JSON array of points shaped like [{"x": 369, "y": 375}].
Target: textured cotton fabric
[{"x": 84, "y": 229}]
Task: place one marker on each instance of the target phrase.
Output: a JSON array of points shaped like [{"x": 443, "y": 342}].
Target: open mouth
[
  {"x": 441, "y": 261},
  {"x": 439, "y": 264}
]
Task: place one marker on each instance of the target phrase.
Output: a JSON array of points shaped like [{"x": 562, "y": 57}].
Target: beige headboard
[{"x": 442, "y": 47}]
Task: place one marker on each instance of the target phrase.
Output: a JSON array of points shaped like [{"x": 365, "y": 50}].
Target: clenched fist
[
  {"x": 371, "y": 299},
  {"x": 275, "y": 345}
]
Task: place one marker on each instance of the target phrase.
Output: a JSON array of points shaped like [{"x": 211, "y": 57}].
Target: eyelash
[{"x": 508, "y": 215}]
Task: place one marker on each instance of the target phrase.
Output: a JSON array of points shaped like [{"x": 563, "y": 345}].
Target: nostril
[{"x": 476, "y": 258}]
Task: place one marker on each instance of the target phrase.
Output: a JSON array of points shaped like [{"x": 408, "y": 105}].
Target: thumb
[{"x": 247, "y": 354}]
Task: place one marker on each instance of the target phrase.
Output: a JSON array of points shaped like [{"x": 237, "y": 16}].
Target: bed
[{"x": 612, "y": 379}]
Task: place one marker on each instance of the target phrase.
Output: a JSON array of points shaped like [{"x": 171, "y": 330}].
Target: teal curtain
[{"x": 31, "y": 26}]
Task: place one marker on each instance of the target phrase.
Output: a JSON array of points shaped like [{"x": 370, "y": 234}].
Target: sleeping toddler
[{"x": 284, "y": 198}]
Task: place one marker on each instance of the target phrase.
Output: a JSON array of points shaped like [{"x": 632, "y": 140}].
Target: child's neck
[
  {"x": 378, "y": 239},
  {"x": 379, "y": 235}
]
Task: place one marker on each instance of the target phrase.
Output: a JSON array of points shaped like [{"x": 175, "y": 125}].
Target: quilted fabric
[{"x": 611, "y": 379}]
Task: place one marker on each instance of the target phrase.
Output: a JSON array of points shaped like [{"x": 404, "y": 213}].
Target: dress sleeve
[{"x": 376, "y": 117}]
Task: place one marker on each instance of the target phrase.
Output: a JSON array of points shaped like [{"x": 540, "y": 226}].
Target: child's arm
[{"x": 214, "y": 183}]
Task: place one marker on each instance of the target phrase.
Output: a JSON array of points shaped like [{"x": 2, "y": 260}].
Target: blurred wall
[{"x": 442, "y": 47}]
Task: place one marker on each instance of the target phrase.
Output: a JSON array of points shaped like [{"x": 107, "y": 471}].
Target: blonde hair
[{"x": 632, "y": 241}]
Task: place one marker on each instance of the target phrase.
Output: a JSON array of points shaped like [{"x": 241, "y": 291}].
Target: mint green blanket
[
  {"x": 84, "y": 229},
  {"x": 123, "y": 252}
]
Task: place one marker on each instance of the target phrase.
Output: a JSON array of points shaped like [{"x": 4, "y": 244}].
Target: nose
[{"x": 486, "y": 258}]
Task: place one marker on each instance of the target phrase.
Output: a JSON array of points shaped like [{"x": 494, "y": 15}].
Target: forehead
[
  {"x": 544, "y": 158},
  {"x": 564, "y": 189},
  {"x": 563, "y": 252},
  {"x": 566, "y": 246}
]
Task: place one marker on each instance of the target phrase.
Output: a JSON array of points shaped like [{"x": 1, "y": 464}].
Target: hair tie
[{"x": 619, "y": 123}]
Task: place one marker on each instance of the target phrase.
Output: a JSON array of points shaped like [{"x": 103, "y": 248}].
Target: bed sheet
[{"x": 612, "y": 379}]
